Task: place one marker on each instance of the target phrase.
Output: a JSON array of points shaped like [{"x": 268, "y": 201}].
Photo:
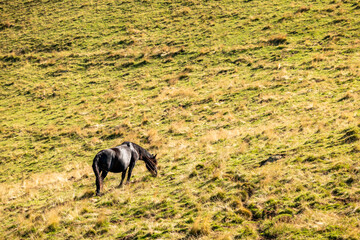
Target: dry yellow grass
[
  {"x": 213, "y": 88},
  {"x": 201, "y": 226}
]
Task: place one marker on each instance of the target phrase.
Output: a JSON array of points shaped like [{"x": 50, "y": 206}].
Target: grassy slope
[{"x": 213, "y": 87}]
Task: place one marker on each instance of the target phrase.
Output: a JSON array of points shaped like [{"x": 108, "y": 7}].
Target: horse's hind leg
[
  {"x": 103, "y": 175},
  {"x": 122, "y": 178}
]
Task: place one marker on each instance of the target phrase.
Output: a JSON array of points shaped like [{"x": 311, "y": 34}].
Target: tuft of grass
[
  {"x": 214, "y": 88},
  {"x": 52, "y": 221},
  {"x": 201, "y": 226},
  {"x": 5, "y": 24},
  {"x": 219, "y": 196},
  {"x": 350, "y": 135},
  {"x": 347, "y": 96},
  {"x": 303, "y": 9},
  {"x": 277, "y": 40},
  {"x": 244, "y": 212},
  {"x": 101, "y": 221}
]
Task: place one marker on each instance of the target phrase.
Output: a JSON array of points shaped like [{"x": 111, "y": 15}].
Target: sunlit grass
[{"x": 214, "y": 88}]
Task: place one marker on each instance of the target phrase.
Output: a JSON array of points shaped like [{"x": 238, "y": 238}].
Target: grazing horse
[{"x": 119, "y": 159}]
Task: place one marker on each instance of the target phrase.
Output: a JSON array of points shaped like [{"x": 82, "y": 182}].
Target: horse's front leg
[
  {"x": 132, "y": 165},
  {"x": 122, "y": 178}
]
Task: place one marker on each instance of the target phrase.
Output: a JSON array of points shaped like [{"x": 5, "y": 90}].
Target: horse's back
[
  {"x": 134, "y": 153},
  {"x": 121, "y": 157},
  {"x": 115, "y": 159},
  {"x": 123, "y": 152}
]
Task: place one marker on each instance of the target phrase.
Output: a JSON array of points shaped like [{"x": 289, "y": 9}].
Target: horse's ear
[{"x": 155, "y": 155}]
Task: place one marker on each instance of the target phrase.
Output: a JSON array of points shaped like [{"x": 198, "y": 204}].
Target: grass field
[{"x": 215, "y": 88}]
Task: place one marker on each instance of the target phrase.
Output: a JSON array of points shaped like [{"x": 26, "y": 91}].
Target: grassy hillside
[{"x": 215, "y": 88}]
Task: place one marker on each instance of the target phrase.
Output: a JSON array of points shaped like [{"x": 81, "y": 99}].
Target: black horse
[{"x": 119, "y": 159}]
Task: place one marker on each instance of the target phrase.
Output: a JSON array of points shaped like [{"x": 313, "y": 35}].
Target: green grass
[{"x": 213, "y": 87}]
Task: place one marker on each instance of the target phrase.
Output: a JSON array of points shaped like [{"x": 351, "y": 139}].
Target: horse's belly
[
  {"x": 119, "y": 166},
  {"x": 118, "y": 170}
]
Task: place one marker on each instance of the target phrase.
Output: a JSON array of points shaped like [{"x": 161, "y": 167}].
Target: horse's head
[{"x": 151, "y": 164}]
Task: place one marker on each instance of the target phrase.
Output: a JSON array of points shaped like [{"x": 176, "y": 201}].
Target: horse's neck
[
  {"x": 135, "y": 151},
  {"x": 140, "y": 152}
]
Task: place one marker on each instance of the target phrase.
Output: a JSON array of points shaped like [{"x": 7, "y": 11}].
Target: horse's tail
[
  {"x": 95, "y": 164},
  {"x": 95, "y": 167}
]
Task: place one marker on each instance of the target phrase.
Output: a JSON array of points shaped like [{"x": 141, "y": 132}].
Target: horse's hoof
[{"x": 99, "y": 194}]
